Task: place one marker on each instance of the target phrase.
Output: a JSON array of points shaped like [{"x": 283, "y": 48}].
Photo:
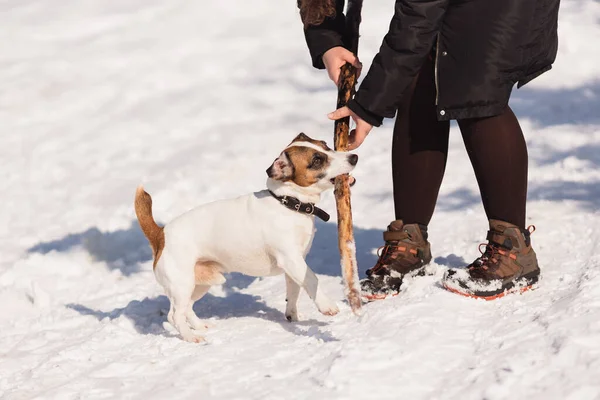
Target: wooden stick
[
  {"x": 342, "y": 197},
  {"x": 346, "y": 242}
]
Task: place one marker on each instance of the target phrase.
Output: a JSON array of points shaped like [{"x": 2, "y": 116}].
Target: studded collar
[{"x": 303, "y": 208}]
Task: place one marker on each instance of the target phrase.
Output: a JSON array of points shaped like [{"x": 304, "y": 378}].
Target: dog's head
[{"x": 310, "y": 163}]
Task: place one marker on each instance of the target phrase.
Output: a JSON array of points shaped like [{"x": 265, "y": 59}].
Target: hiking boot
[
  {"x": 406, "y": 252},
  {"x": 508, "y": 265}
]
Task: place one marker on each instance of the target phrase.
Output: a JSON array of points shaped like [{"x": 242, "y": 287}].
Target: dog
[{"x": 265, "y": 233}]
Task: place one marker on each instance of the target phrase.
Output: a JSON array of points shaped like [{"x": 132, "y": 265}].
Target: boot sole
[
  {"x": 376, "y": 297},
  {"x": 531, "y": 281},
  {"x": 492, "y": 297}
]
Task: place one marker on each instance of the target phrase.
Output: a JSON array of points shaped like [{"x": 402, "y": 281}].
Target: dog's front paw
[
  {"x": 328, "y": 308},
  {"x": 197, "y": 324},
  {"x": 201, "y": 326},
  {"x": 193, "y": 338}
]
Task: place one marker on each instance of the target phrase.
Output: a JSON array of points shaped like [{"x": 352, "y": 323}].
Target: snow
[{"x": 195, "y": 100}]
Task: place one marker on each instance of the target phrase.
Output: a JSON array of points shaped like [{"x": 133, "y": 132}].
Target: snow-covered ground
[{"x": 195, "y": 99}]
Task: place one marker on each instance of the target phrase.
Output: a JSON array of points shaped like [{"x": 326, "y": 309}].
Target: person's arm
[
  {"x": 412, "y": 33},
  {"x": 329, "y": 34}
]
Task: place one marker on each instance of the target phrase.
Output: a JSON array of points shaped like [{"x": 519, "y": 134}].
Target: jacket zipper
[{"x": 437, "y": 58}]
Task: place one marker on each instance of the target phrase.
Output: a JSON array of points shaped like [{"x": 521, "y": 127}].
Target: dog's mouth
[{"x": 352, "y": 181}]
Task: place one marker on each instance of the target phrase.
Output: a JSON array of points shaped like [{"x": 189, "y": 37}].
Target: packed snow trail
[{"x": 195, "y": 100}]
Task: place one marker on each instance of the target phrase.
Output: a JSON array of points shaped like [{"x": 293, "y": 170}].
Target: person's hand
[
  {"x": 358, "y": 134},
  {"x": 335, "y": 58}
]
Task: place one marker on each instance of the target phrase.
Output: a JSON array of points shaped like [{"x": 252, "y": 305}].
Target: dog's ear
[
  {"x": 301, "y": 138},
  {"x": 282, "y": 168}
]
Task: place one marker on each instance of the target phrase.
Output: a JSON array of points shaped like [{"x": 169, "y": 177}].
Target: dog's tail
[{"x": 154, "y": 233}]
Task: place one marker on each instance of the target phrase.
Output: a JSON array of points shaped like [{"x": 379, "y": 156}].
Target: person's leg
[
  {"x": 509, "y": 264},
  {"x": 419, "y": 151},
  {"x": 498, "y": 152}
]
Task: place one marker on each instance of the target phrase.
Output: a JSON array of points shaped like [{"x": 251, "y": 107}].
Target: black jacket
[{"x": 482, "y": 48}]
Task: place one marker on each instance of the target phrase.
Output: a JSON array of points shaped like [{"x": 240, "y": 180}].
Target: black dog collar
[{"x": 304, "y": 208}]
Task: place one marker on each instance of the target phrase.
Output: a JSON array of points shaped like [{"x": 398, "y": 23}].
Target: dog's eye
[{"x": 317, "y": 161}]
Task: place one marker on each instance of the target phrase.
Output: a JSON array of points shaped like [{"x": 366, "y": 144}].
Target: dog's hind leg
[
  {"x": 292, "y": 294},
  {"x": 196, "y": 323},
  {"x": 179, "y": 286},
  {"x": 182, "y": 303},
  {"x": 208, "y": 272}
]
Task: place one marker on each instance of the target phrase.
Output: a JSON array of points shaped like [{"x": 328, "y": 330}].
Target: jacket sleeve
[
  {"x": 330, "y": 33},
  {"x": 412, "y": 33}
]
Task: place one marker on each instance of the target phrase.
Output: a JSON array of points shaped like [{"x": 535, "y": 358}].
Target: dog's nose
[
  {"x": 270, "y": 171},
  {"x": 353, "y": 159}
]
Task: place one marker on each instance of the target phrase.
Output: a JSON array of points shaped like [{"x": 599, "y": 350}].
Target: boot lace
[
  {"x": 489, "y": 256},
  {"x": 385, "y": 252},
  {"x": 492, "y": 252}
]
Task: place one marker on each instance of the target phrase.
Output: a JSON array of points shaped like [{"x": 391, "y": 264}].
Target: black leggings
[{"x": 495, "y": 145}]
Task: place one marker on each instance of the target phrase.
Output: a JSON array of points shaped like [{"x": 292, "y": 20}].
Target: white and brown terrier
[{"x": 260, "y": 234}]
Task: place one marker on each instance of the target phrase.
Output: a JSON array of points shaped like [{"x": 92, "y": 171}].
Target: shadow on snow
[
  {"x": 149, "y": 314},
  {"x": 124, "y": 249},
  {"x": 547, "y": 107}
]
